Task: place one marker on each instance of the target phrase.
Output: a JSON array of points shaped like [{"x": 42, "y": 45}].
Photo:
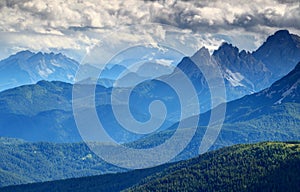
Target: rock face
[
  {"x": 280, "y": 53},
  {"x": 244, "y": 72}
]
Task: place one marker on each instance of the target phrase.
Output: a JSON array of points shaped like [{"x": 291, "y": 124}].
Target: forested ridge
[{"x": 267, "y": 166}]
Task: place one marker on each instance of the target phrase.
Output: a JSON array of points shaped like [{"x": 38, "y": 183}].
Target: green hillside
[
  {"x": 25, "y": 162},
  {"x": 267, "y": 166}
]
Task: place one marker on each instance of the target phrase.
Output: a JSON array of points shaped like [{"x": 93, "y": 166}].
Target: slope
[
  {"x": 25, "y": 162},
  {"x": 264, "y": 166},
  {"x": 258, "y": 167}
]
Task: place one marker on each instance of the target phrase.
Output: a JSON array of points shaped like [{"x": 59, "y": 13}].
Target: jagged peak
[
  {"x": 202, "y": 52},
  {"x": 282, "y": 32},
  {"x": 244, "y": 53},
  {"x": 281, "y": 36},
  {"x": 24, "y": 52},
  {"x": 225, "y": 47}
]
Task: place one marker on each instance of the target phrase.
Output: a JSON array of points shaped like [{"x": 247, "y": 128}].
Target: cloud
[
  {"x": 70, "y": 24},
  {"x": 165, "y": 62}
]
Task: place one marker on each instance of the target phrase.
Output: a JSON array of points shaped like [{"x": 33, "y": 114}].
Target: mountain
[
  {"x": 26, "y": 162},
  {"x": 268, "y": 166},
  {"x": 45, "y": 108},
  {"x": 26, "y": 67},
  {"x": 284, "y": 91},
  {"x": 43, "y": 112},
  {"x": 279, "y": 53},
  {"x": 244, "y": 72},
  {"x": 270, "y": 115},
  {"x": 39, "y": 112}
]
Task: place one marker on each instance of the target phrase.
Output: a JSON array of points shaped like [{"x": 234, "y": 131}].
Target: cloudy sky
[{"x": 74, "y": 26}]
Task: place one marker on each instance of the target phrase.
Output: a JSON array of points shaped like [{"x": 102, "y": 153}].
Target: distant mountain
[
  {"x": 39, "y": 112},
  {"x": 269, "y": 166},
  {"x": 112, "y": 71},
  {"x": 43, "y": 112},
  {"x": 26, "y": 67}
]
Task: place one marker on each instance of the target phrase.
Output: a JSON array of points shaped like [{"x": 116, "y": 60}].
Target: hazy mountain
[
  {"x": 112, "y": 71},
  {"x": 26, "y": 67},
  {"x": 43, "y": 112},
  {"x": 265, "y": 166}
]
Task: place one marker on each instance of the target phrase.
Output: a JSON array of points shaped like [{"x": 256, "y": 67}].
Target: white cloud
[
  {"x": 76, "y": 25},
  {"x": 165, "y": 62}
]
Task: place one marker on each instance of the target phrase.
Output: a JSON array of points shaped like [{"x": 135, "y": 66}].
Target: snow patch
[
  {"x": 56, "y": 64},
  {"x": 70, "y": 77},
  {"x": 45, "y": 72},
  {"x": 88, "y": 156},
  {"x": 234, "y": 78},
  {"x": 288, "y": 92},
  {"x": 279, "y": 101},
  {"x": 165, "y": 62}
]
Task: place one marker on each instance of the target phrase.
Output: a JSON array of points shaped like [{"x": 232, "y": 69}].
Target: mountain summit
[
  {"x": 244, "y": 72},
  {"x": 26, "y": 67},
  {"x": 280, "y": 53}
]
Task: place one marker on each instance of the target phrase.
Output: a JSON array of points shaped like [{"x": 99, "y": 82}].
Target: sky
[{"x": 74, "y": 27}]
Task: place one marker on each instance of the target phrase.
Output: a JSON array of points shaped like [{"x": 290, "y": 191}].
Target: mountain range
[
  {"x": 243, "y": 72},
  {"x": 262, "y": 104},
  {"x": 43, "y": 111},
  {"x": 26, "y": 67},
  {"x": 246, "y": 73},
  {"x": 271, "y": 114}
]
